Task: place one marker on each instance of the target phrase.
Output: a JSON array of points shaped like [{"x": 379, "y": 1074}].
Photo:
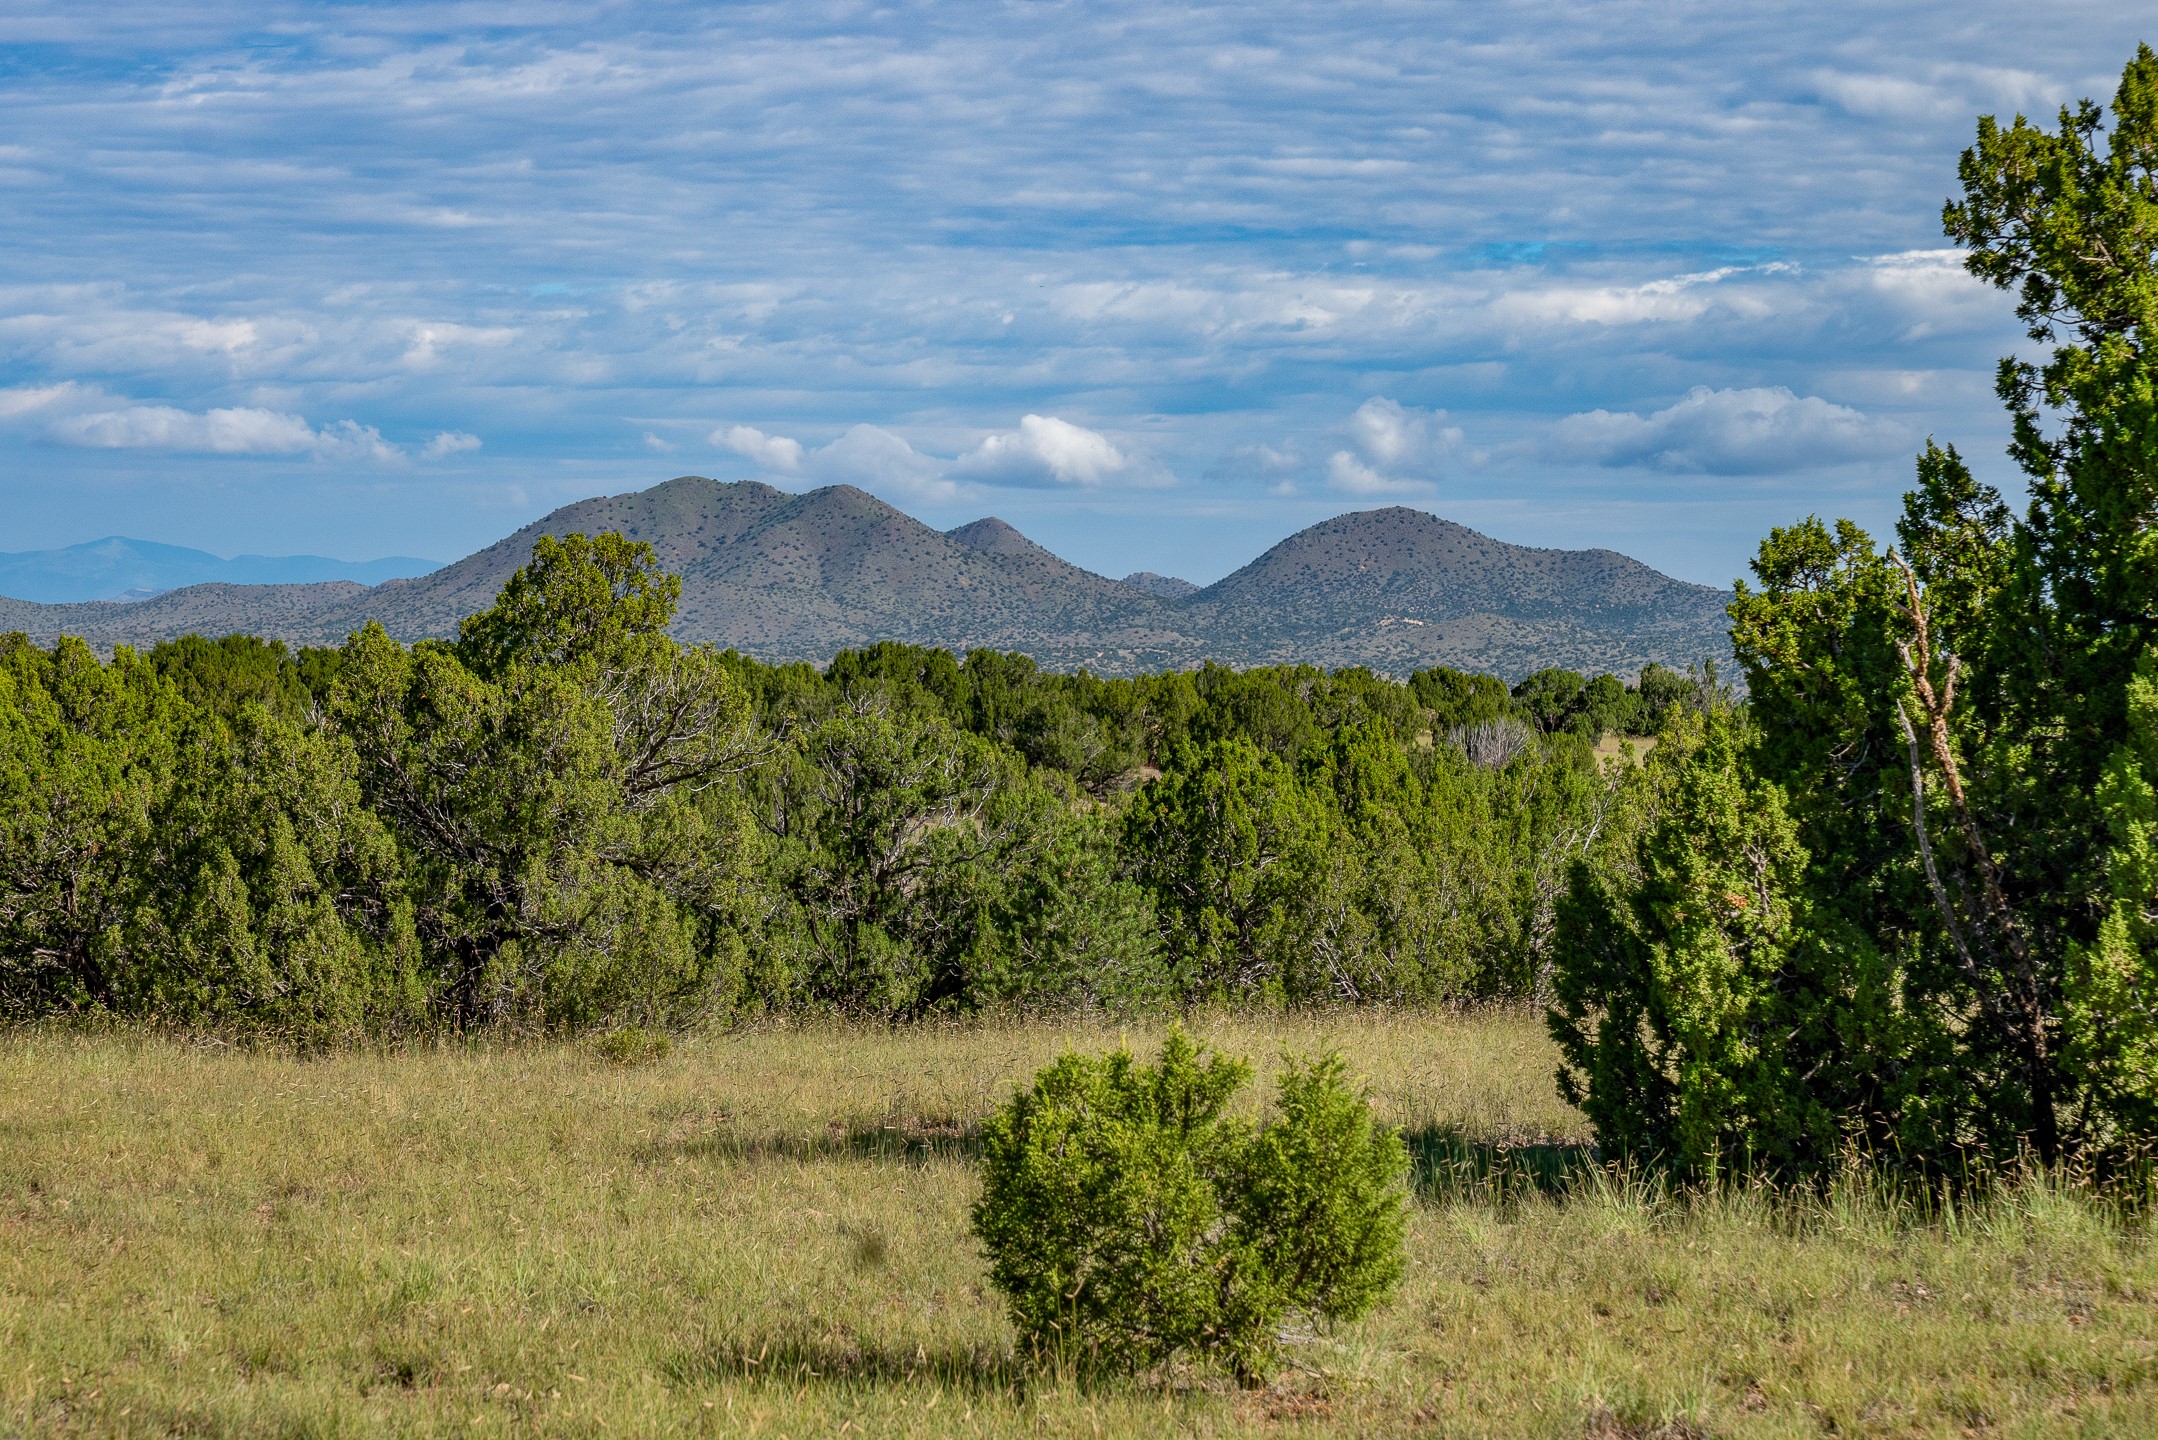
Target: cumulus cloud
[
  {"x": 1929, "y": 292},
  {"x": 866, "y": 455},
  {"x": 449, "y": 442},
  {"x": 1759, "y": 431},
  {"x": 1392, "y": 449},
  {"x": 1277, "y": 465},
  {"x": 1043, "y": 451},
  {"x": 772, "y": 452},
  {"x": 876, "y": 459}
]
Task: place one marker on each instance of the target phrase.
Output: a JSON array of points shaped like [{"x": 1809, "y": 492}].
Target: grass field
[{"x": 766, "y": 1234}]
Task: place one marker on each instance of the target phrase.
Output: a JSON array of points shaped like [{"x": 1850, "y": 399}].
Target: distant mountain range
[
  {"x": 798, "y": 577},
  {"x": 117, "y": 568}
]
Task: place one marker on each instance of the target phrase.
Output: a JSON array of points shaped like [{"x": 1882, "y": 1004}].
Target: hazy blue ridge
[{"x": 117, "y": 568}]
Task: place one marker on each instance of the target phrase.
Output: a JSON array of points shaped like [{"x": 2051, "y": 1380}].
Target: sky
[{"x": 1157, "y": 284}]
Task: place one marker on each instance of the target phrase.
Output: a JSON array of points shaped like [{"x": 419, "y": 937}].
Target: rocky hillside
[
  {"x": 1398, "y": 589},
  {"x": 788, "y": 577}
]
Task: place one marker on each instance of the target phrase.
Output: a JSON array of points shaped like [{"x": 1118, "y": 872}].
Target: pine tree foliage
[
  {"x": 1947, "y": 764},
  {"x": 566, "y": 819}
]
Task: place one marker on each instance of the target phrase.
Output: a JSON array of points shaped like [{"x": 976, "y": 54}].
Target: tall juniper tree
[{"x": 1963, "y": 731}]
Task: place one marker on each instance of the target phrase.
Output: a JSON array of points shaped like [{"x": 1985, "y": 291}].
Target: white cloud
[
  {"x": 1393, "y": 449},
  {"x": 1677, "y": 298},
  {"x": 1280, "y": 463},
  {"x": 772, "y": 452},
  {"x": 165, "y": 427},
  {"x": 35, "y": 399},
  {"x": 91, "y": 418},
  {"x": 217, "y": 336},
  {"x": 1952, "y": 94},
  {"x": 1182, "y": 223},
  {"x": 1930, "y": 290},
  {"x": 867, "y": 456},
  {"x": 431, "y": 339},
  {"x": 1760, "y": 431},
  {"x": 350, "y": 440},
  {"x": 449, "y": 442},
  {"x": 876, "y": 459},
  {"x": 1352, "y": 476},
  {"x": 1887, "y": 96},
  {"x": 1043, "y": 451}
]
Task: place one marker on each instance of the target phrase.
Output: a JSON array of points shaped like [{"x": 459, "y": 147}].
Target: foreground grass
[{"x": 766, "y": 1234}]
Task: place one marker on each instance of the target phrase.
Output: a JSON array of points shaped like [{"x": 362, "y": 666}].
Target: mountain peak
[
  {"x": 1162, "y": 587},
  {"x": 993, "y": 536}
]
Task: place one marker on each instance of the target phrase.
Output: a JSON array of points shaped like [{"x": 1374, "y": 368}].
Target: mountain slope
[
  {"x": 1399, "y": 589},
  {"x": 116, "y": 568},
  {"x": 1164, "y": 587},
  {"x": 292, "y": 613},
  {"x": 797, "y": 577}
]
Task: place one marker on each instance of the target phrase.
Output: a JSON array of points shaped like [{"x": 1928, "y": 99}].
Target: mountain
[
  {"x": 1399, "y": 589},
  {"x": 1163, "y": 587},
  {"x": 117, "y": 568},
  {"x": 796, "y": 577}
]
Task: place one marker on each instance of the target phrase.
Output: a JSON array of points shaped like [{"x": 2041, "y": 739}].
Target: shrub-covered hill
[
  {"x": 801, "y": 577},
  {"x": 566, "y": 818}
]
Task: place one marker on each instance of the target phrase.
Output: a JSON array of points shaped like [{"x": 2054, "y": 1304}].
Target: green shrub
[
  {"x": 633, "y": 1045},
  {"x": 1128, "y": 1221}
]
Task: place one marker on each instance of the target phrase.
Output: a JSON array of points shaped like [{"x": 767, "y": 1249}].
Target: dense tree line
[
  {"x": 564, "y": 818},
  {"x": 1906, "y": 902}
]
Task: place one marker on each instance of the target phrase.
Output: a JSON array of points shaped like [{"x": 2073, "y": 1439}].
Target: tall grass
[{"x": 766, "y": 1234}]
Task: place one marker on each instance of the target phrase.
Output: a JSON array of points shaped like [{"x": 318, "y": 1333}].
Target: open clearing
[{"x": 766, "y": 1234}]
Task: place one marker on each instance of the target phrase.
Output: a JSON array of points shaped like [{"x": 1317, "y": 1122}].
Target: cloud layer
[
  {"x": 1760, "y": 431},
  {"x": 86, "y": 417},
  {"x": 1159, "y": 283}
]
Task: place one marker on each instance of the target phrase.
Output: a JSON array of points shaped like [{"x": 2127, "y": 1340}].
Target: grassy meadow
[{"x": 766, "y": 1234}]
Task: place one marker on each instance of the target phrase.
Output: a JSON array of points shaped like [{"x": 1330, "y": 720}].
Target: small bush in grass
[
  {"x": 1129, "y": 1221},
  {"x": 633, "y": 1045}
]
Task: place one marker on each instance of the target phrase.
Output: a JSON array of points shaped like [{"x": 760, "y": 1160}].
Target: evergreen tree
[{"x": 1958, "y": 730}]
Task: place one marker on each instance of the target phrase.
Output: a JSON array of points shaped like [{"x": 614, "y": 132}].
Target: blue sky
[{"x": 1157, "y": 284}]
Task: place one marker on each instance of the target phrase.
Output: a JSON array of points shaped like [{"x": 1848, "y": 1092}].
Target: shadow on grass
[
  {"x": 909, "y": 1140},
  {"x": 1446, "y": 1164},
  {"x": 845, "y": 1361}
]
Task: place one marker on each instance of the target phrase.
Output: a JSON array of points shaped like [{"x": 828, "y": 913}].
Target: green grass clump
[
  {"x": 767, "y": 1234},
  {"x": 633, "y": 1045}
]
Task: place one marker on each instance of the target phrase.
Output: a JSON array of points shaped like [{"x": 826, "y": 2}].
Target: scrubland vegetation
[
  {"x": 568, "y": 1029},
  {"x": 766, "y": 1233},
  {"x": 566, "y": 820}
]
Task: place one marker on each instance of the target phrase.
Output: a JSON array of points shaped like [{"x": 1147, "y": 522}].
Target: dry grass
[
  {"x": 765, "y": 1234},
  {"x": 1615, "y": 749}
]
